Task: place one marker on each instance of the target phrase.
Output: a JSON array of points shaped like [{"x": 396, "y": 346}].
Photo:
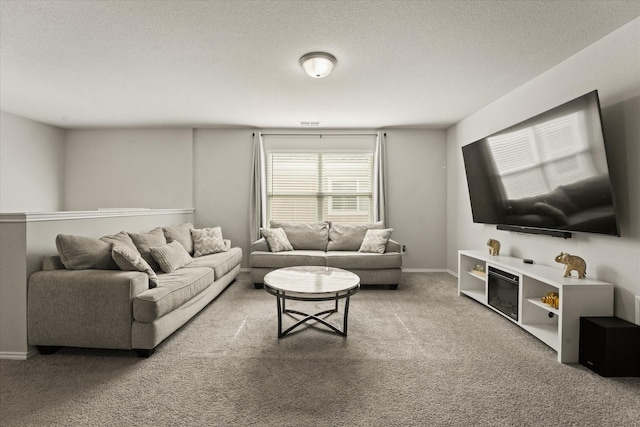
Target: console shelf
[
  {"x": 539, "y": 303},
  {"x": 557, "y": 328}
]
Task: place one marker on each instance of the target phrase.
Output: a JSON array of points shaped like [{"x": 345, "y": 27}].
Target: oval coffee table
[{"x": 311, "y": 284}]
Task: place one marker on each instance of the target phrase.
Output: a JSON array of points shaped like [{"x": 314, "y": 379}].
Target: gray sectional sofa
[
  {"x": 72, "y": 304},
  {"x": 329, "y": 245}
]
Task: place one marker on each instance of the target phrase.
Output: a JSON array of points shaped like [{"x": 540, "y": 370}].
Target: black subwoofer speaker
[{"x": 610, "y": 346}]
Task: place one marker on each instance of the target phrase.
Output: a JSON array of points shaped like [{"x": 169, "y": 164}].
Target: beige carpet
[{"x": 418, "y": 356}]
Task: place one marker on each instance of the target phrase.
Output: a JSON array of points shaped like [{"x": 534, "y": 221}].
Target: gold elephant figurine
[
  {"x": 494, "y": 247},
  {"x": 572, "y": 262}
]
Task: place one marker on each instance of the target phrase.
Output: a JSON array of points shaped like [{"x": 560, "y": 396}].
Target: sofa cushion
[
  {"x": 287, "y": 259},
  {"x": 221, "y": 263},
  {"x": 81, "y": 253},
  {"x": 180, "y": 233},
  {"x": 353, "y": 260},
  {"x": 349, "y": 237},
  {"x": 276, "y": 239},
  {"x": 171, "y": 256},
  {"x": 375, "y": 241},
  {"x": 122, "y": 238},
  {"x": 305, "y": 235},
  {"x": 129, "y": 259},
  {"x": 173, "y": 290},
  {"x": 207, "y": 241},
  {"x": 144, "y": 241}
]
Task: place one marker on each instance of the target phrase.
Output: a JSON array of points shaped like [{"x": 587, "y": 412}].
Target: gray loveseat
[
  {"x": 329, "y": 245},
  {"x": 109, "y": 308}
]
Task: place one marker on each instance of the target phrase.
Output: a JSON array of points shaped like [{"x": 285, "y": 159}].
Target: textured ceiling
[{"x": 79, "y": 64}]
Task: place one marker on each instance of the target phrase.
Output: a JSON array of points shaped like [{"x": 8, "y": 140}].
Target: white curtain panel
[
  {"x": 258, "y": 202},
  {"x": 380, "y": 180}
]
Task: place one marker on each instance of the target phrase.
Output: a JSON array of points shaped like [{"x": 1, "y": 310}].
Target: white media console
[{"x": 558, "y": 328}]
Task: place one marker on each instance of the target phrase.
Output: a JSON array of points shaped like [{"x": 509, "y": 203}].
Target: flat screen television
[{"x": 545, "y": 175}]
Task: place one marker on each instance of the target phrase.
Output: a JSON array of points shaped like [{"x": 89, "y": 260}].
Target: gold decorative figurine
[
  {"x": 494, "y": 247},
  {"x": 552, "y": 298},
  {"x": 572, "y": 262}
]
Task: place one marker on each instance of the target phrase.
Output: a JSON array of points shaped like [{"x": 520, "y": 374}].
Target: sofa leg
[
  {"x": 145, "y": 352},
  {"x": 393, "y": 287},
  {"x": 258, "y": 285},
  {"x": 47, "y": 349}
]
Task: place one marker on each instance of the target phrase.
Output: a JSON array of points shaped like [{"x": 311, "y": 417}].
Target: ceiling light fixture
[{"x": 318, "y": 64}]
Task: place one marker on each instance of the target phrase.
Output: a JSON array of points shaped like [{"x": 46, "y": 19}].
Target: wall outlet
[
  {"x": 638, "y": 310},
  {"x": 403, "y": 249}
]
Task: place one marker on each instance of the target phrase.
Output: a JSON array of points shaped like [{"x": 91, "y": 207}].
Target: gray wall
[
  {"x": 148, "y": 168},
  {"x": 128, "y": 168},
  {"x": 31, "y": 165},
  {"x": 416, "y": 176},
  {"x": 416, "y": 161},
  {"x": 222, "y": 177},
  {"x": 611, "y": 65}
]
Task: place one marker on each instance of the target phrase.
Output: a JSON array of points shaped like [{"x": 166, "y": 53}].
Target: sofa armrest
[
  {"x": 260, "y": 245},
  {"x": 227, "y": 243},
  {"x": 83, "y": 308},
  {"x": 393, "y": 246}
]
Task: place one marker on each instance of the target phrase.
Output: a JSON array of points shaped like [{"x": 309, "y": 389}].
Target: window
[{"x": 325, "y": 186}]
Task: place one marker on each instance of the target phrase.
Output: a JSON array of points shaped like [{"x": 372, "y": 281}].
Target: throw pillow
[
  {"x": 144, "y": 241},
  {"x": 180, "y": 233},
  {"x": 375, "y": 241},
  {"x": 80, "y": 253},
  {"x": 276, "y": 239},
  {"x": 207, "y": 241},
  {"x": 305, "y": 235},
  {"x": 130, "y": 260},
  {"x": 349, "y": 237},
  {"x": 171, "y": 256},
  {"x": 122, "y": 237}
]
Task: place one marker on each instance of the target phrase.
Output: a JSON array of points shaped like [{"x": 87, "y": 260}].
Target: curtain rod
[{"x": 320, "y": 134}]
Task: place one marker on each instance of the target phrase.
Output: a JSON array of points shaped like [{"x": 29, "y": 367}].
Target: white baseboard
[
  {"x": 17, "y": 355},
  {"x": 453, "y": 273}
]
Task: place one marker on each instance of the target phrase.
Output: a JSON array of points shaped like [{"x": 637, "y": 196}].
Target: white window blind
[
  {"x": 320, "y": 186},
  {"x": 539, "y": 158}
]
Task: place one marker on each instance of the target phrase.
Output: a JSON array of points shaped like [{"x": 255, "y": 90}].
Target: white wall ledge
[{"x": 19, "y": 217}]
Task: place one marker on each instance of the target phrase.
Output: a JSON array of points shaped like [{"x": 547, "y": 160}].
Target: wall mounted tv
[{"x": 545, "y": 175}]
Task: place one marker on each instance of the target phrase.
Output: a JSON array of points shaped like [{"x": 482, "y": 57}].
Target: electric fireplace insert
[{"x": 503, "y": 291}]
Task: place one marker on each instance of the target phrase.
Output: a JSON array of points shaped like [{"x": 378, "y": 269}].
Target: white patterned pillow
[
  {"x": 207, "y": 241},
  {"x": 276, "y": 239},
  {"x": 375, "y": 241}
]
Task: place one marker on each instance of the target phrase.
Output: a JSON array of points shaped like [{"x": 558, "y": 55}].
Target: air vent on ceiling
[{"x": 309, "y": 124}]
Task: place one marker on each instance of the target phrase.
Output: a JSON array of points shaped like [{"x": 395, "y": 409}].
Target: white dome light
[{"x": 318, "y": 64}]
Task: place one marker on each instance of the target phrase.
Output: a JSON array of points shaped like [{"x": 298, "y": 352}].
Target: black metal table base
[{"x": 281, "y": 302}]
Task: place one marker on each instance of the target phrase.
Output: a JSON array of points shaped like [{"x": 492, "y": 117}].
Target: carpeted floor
[{"x": 418, "y": 356}]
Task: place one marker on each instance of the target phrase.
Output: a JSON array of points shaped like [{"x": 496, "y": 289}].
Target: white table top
[{"x": 311, "y": 280}]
